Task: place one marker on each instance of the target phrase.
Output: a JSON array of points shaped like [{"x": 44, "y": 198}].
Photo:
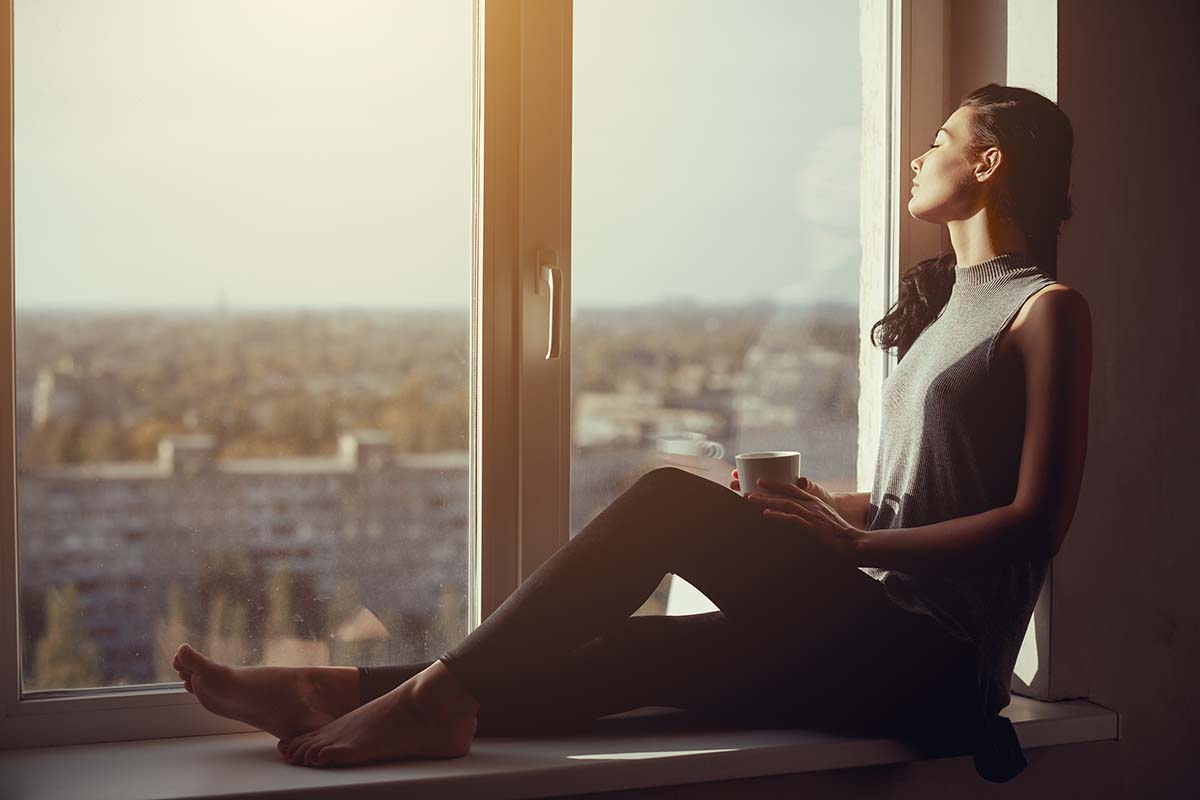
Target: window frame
[
  {"x": 151, "y": 711},
  {"x": 519, "y": 475}
]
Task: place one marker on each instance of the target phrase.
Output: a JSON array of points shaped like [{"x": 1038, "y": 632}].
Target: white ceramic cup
[
  {"x": 773, "y": 465},
  {"x": 688, "y": 443}
]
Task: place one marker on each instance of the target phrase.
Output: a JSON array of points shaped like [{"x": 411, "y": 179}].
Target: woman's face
[{"x": 947, "y": 186}]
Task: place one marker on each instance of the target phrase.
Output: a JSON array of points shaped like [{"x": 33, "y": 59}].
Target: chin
[{"x": 917, "y": 212}]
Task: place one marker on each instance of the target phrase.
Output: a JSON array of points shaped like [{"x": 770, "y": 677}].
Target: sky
[{"x": 309, "y": 154}]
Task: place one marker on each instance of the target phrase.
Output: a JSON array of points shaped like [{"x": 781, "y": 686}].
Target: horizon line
[{"x": 685, "y": 303}]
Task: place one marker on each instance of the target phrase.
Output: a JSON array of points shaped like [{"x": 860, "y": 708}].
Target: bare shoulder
[{"x": 1056, "y": 310}]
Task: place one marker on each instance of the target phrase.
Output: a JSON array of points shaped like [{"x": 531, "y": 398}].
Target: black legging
[{"x": 798, "y": 640}]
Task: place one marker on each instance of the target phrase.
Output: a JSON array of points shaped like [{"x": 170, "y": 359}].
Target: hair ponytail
[{"x": 924, "y": 290}]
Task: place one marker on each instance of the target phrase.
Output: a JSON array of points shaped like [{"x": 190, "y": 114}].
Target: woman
[{"x": 900, "y": 610}]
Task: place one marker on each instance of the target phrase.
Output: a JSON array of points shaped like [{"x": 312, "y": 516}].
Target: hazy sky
[{"x": 315, "y": 154}]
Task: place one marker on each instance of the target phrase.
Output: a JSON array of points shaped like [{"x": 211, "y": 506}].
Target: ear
[{"x": 989, "y": 162}]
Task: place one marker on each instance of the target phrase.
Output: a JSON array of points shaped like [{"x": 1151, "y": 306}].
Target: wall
[
  {"x": 978, "y": 46},
  {"x": 1126, "y": 611}
]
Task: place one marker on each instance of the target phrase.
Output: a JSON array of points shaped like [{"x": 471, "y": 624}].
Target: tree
[
  {"x": 226, "y": 639},
  {"x": 64, "y": 658},
  {"x": 141, "y": 441},
  {"x": 102, "y": 440},
  {"x": 452, "y": 613},
  {"x": 355, "y": 634},
  {"x": 171, "y": 632},
  {"x": 279, "y": 604},
  {"x": 56, "y": 442},
  {"x": 292, "y": 628}
]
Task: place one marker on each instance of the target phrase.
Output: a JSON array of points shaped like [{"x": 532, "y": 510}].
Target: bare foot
[
  {"x": 283, "y": 701},
  {"x": 428, "y": 716}
]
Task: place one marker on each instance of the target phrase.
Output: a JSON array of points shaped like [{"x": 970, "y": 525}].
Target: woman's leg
[
  {"x": 668, "y": 521},
  {"x": 893, "y": 673},
  {"x": 771, "y": 583},
  {"x": 769, "y": 580},
  {"x": 377, "y": 681},
  {"x": 692, "y": 661}
]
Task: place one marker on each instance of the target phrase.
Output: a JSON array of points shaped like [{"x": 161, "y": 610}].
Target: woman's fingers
[
  {"x": 783, "y": 488},
  {"x": 796, "y": 518},
  {"x": 771, "y": 501}
]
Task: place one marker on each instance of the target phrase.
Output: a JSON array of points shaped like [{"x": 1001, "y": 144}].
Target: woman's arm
[
  {"x": 853, "y": 506},
  {"x": 1003, "y": 534}
]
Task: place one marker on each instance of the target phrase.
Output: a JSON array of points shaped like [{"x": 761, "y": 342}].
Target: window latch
[{"x": 549, "y": 283}]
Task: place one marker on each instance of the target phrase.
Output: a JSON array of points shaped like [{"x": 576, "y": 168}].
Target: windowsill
[{"x": 639, "y": 749}]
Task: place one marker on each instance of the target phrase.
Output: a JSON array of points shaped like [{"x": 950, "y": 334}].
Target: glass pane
[
  {"x": 243, "y": 280},
  {"x": 715, "y": 244}
]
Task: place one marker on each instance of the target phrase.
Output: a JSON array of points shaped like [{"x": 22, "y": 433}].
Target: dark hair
[{"x": 1036, "y": 139}]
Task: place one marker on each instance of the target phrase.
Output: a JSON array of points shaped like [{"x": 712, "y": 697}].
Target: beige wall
[
  {"x": 1127, "y": 611},
  {"x": 977, "y": 47},
  {"x": 1127, "y": 593}
]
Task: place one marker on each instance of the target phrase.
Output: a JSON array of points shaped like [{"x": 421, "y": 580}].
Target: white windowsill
[{"x": 615, "y": 757}]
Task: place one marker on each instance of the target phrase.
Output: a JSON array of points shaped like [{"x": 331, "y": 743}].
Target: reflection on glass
[
  {"x": 243, "y": 292},
  {"x": 715, "y": 245}
]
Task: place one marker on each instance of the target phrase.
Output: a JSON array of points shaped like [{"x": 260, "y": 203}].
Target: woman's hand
[
  {"x": 810, "y": 486},
  {"x": 811, "y": 515}
]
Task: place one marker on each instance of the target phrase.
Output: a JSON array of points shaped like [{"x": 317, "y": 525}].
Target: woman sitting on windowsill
[{"x": 898, "y": 611}]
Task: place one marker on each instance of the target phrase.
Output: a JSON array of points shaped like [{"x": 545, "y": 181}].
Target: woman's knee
[
  {"x": 686, "y": 490},
  {"x": 673, "y": 481},
  {"x": 662, "y": 477}
]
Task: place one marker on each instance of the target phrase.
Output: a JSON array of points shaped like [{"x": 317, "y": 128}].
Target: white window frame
[{"x": 519, "y": 477}]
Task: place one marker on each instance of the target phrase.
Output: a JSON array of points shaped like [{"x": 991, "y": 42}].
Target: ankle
[
  {"x": 437, "y": 693},
  {"x": 336, "y": 687}
]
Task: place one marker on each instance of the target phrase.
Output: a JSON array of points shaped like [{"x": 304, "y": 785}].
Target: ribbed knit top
[{"x": 952, "y": 431}]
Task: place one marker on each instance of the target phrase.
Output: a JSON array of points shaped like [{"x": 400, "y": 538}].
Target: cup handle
[{"x": 714, "y": 449}]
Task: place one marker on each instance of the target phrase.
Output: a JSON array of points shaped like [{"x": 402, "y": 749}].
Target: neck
[{"x": 983, "y": 236}]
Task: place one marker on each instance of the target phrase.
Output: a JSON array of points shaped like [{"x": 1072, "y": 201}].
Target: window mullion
[
  {"x": 545, "y": 228},
  {"x": 10, "y": 690}
]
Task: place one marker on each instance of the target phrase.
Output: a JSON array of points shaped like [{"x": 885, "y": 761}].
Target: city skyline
[{"x": 663, "y": 302}]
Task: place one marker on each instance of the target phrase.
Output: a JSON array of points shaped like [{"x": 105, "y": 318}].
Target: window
[
  {"x": 242, "y": 268},
  {"x": 523, "y": 171},
  {"x": 715, "y": 244}
]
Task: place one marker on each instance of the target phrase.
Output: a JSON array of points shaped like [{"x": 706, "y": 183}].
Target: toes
[
  {"x": 295, "y": 746},
  {"x": 286, "y": 748},
  {"x": 191, "y": 660},
  {"x": 301, "y": 755},
  {"x": 325, "y": 756}
]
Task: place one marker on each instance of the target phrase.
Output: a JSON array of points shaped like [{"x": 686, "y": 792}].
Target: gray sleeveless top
[{"x": 951, "y": 447}]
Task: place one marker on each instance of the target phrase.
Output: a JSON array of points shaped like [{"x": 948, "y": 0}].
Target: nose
[{"x": 915, "y": 164}]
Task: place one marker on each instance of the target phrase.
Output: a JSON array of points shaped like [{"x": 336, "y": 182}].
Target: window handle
[{"x": 550, "y": 283}]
